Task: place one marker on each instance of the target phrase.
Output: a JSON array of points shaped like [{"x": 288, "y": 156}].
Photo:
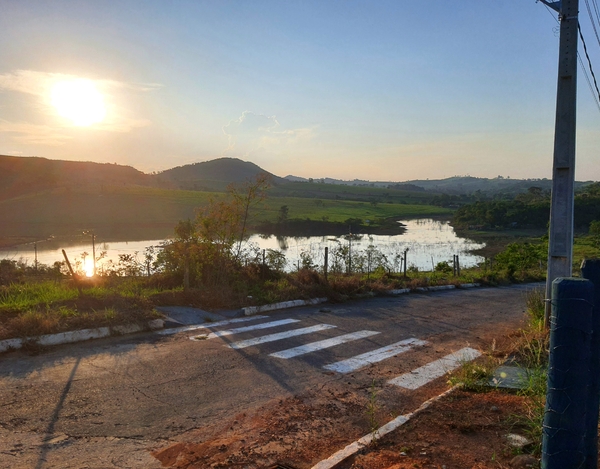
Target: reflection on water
[{"x": 428, "y": 242}]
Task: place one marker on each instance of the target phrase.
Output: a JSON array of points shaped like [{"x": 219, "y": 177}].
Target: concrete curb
[
  {"x": 402, "y": 291},
  {"x": 80, "y": 336},
  {"x": 250, "y": 310},
  {"x": 366, "y": 440}
]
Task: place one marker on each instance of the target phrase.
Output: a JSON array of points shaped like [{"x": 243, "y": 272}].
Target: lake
[{"x": 428, "y": 242}]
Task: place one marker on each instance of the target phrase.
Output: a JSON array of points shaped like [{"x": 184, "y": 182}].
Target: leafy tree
[
  {"x": 208, "y": 250},
  {"x": 284, "y": 211}
]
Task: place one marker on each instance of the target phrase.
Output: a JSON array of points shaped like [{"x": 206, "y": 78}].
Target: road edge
[
  {"x": 366, "y": 440},
  {"x": 81, "y": 335}
]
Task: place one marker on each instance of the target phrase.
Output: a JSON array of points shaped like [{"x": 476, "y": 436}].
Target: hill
[
  {"x": 20, "y": 176},
  {"x": 456, "y": 185},
  {"x": 213, "y": 175}
]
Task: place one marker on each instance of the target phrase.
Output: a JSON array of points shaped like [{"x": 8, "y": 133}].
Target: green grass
[
  {"x": 45, "y": 307},
  {"x": 18, "y": 297},
  {"x": 332, "y": 191},
  {"x": 146, "y": 213},
  {"x": 341, "y": 210}
]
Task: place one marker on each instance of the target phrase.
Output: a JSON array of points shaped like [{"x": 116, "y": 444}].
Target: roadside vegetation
[
  {"x": 209, "y": 264},
  {"x": 529, "y": 351}
]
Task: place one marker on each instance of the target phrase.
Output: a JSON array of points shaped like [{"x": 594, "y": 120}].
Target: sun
[{"x": 79, "y": 101}]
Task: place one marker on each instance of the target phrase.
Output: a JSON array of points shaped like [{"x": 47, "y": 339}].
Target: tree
[
  {"x": 208, "y": 250},
  {"x": 283, "y": 214},
  {"x": 595, "y": 231},
  {"x": 245, "y": 196}
]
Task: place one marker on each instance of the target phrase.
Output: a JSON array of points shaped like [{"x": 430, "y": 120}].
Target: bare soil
[{"x": 464, "y": 430}]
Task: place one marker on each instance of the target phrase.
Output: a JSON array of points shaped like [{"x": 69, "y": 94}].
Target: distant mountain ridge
[
  {"x": 456, "y": 185},
  {"x": 23, "y": 175}
]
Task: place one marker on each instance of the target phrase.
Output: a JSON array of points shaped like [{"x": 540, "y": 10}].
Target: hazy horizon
[{"x": 346, "y": 90}]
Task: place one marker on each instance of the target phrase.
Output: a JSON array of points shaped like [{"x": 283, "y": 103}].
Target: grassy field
[
  {"x": 340, "y": 210},
  {"x": 135, "y": 212},
  {"x": 367, "y": 193}
]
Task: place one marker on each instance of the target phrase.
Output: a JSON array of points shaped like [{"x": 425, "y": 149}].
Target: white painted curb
[
  {"x": 80, "y": 336},
  {"x": 402, "y": 291},
  {"x": 441, "y": 287},
  {"x": 366, "y": 440},
  {"x": 250, "y": 310}
]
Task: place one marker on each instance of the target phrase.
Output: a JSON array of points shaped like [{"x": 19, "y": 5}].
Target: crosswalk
[{"x": 411, "y": 380}]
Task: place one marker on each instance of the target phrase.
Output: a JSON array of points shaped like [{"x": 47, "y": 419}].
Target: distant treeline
[{"x": 528, "y": 210}]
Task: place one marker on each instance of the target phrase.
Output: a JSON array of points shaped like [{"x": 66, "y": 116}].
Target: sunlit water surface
[{"x": 428, "y": 242}]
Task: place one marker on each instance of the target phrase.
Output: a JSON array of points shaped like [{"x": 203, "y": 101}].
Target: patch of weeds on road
[
  {"x": 371, "y": 411},
  {"x": 474, "y": 375},
  {"x": 531, "y": 350}
]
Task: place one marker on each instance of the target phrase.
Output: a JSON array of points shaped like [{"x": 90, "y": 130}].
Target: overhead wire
[
  {"x": 589, "y": 63},
  {"x": 595, "y": 4},
  {"x": 592, "y": 19},
  {"x": 595, "y": 93},
  {"x": 587, "y": 79}
]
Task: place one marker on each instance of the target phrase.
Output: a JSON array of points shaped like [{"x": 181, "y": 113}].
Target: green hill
[{"x": 213, "y": 175}]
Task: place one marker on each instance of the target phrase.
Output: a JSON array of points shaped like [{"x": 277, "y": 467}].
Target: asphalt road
[{"x": 105, "y": 403}]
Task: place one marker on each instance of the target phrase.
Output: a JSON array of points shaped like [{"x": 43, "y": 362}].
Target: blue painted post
[
  {"x": 590, "y": 269},
  {"x": 563, "y": 437}
]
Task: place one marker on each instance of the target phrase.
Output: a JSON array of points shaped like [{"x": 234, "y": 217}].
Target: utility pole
[
  {"x": 94, "y": 252},
  {"x": 560, "y": 246}
]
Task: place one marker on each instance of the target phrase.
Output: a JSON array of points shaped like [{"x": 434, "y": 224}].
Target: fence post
[
  {"x": 563, "y": 434},
  {"x": 457, "y": 266},
  {"x": 590, "y": 269},
  {"x": 454, "y": 265},
  {"x": 326, "y": 260},
  {"x": 405, "y": 252}
]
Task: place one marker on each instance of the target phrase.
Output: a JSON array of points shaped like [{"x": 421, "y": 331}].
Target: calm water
[{"x": 428, "y": 242}]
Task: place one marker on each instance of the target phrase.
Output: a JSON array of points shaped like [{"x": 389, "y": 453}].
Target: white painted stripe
[
  {"x": 239, "y": 330},
  {"x": 360, "y": 361},
  {"x": 280, "y": 336},
  {"x": 423, "y": 375},
  {"x": 366, "y": 440},
  {"x": 207, "y": 325},
  {"x": 323, "y": 344}
]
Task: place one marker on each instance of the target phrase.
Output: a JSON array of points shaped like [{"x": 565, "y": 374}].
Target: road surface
[{"x": 109, "y": 403}]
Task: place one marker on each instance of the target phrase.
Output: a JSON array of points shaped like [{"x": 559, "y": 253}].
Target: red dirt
[{"x": 465, "y": 430}]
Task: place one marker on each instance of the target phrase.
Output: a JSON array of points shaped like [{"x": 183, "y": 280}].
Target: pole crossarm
[{"x": 554, "y": 5}]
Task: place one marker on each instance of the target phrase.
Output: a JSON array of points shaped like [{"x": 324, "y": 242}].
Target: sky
[{"x": 377, "y": 90}]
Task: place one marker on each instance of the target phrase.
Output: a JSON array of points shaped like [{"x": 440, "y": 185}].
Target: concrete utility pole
[{"x": 560, "y": 248}]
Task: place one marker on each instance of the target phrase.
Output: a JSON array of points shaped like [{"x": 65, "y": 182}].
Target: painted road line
[
  {"x": 360, "y": 361},
  {"x": 280, "y": 336},
  {"x": 322, "y": 344},
  {"x": 423, "y": 375},
  {"x": 207, "y": 325},
  {"x": 239, "y": 330}
]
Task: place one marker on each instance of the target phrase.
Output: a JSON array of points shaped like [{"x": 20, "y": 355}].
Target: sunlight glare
[
  {"x": 80, "y": 101},
  {"x": 88, "y": 267}
]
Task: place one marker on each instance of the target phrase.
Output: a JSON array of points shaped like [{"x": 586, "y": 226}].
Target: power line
[
  {"x": 596, "y": 10},
  {"x": 587, "y": 78},
  {"x": 587, "y": 4},
  {"x": 585, "y": 73},
  {"x": 589, "y": 63}
]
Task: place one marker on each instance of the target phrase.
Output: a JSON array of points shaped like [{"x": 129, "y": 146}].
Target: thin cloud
[
  {"x": 34, "y": 134},
  {"x": 253, "y": 133},
  {"x": 40, "y": 83},
  {"x": 53, "y": 132}
]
